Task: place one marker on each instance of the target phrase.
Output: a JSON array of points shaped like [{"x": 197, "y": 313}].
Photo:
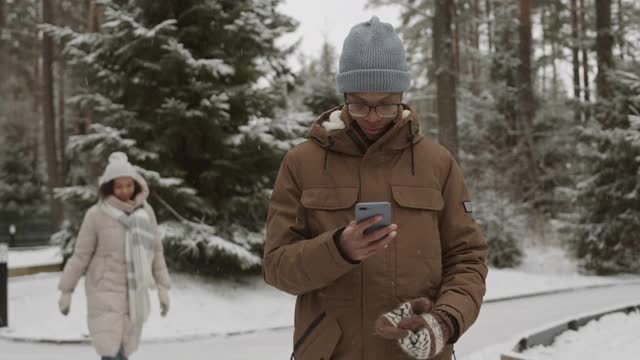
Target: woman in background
[{"x": 119, "y": 249}]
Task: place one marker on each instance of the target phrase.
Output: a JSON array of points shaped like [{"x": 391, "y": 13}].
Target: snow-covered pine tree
[
  {"x": 173, "y": 84},
  {"x": 318, "y": 82},
  {"x": 21, "y": 183},
  {"x": 21, "y": 176},
  {"x": 606, "y": 236}
]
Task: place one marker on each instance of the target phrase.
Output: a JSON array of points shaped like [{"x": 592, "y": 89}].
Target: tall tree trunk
[
  {"x": 48, "y": 118},
  {"x": 526, "y": 101},
  {"x": 444, "y": 62},
  {"x": 62, "y": 120},
  {"x": 475, "y": 66},
  {"x": 585, "y": 58},
  {"x": 554, "y": 49},
  {"x": 503, "y": 71},
  {"x": 94, "y": 19},
  {"x": 3, "y": 13},
  {"x": 456, "y": 36},
  {"x": 621, "y": 29},
  {"x": 543, "y": 47},
  {"x": 488, "y": 15},
  {"x": 604, "y": 47},
  {"x": 575, "y": 57},
  {"x": 3, "y": 55}
]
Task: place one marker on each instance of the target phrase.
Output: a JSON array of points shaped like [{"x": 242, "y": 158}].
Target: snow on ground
[
  {"x": 201, "y": 308},
  {"x": 198, "y": 308},
  {"x": 543, "y": 269},
  {"x": 48, "y": 255},
  {"x": 613, "y": 336},
  {"x": 498, "y": 322}
]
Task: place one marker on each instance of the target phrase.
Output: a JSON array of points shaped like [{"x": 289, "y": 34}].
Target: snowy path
[{"x": 498, "y": 323}]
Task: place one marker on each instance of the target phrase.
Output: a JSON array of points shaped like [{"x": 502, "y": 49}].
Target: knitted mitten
[
  {"x": 420, "y": 333},
  {"x": 429, "y": 334}
]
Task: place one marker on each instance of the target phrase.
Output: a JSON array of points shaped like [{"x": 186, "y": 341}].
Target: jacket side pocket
[{"x": 319, "y": 340}]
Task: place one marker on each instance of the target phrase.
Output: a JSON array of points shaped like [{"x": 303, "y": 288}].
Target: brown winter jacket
[{"x": 439, "y": 251}]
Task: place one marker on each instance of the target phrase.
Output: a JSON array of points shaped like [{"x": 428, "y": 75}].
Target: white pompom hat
[{"x": 119, "y": 166}]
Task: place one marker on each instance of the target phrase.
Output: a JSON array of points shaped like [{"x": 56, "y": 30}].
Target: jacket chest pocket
[
  {"x": 328, "y": 208},
  {"x": 418, "y": 257}
]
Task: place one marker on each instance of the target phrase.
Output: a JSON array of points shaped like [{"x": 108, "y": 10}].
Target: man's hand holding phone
[{"x": 359, "y": 246}]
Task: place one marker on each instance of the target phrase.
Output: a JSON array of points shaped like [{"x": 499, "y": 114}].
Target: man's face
[
  {"x": 374, "y": 122},
  {"x": 123, "y": 188}
]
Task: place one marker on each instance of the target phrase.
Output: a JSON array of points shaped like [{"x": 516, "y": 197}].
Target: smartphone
[{"x": 365, "y": 210}]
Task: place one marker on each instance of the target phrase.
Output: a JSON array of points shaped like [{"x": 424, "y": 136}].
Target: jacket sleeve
[
  {"x": 294, "y": 261},
  {"x": 159, "y": 265},
  {"x": 83, "y": 252},
  {"x": 464, "y": 253}
]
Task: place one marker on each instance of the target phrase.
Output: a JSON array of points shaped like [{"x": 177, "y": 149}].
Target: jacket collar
[{"x": 336, "y": 131}]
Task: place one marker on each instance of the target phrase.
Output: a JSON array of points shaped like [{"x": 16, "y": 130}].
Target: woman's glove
[
  {"x": 163, "y": 296},
  {"x": 64, "y": 303}
]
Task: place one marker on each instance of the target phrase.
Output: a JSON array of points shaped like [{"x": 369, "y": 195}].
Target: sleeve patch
[{"x": 468, "y": 207}]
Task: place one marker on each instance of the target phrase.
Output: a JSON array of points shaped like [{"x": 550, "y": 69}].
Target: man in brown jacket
[{"x": 408, "y": 290}]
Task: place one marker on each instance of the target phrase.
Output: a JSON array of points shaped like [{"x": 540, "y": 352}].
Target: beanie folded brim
[{"x": 373, "y": 80}]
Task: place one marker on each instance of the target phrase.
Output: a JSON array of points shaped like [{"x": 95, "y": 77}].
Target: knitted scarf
[{"x": 139, "y": 256}]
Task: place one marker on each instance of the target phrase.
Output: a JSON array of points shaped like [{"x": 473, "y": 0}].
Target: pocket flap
[
  {"x": 320, "y": 340},
  {"x": 418, "y": 197},
  {"x": 329, "y": 198}
]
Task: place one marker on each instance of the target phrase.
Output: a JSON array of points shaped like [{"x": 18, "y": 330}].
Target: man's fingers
[
  {"x": 413, "y": 323},
  {"x": 381, "y": 233},
  {"x": 376, "y": 246},
  {"x": 364, "y": 224},
  {"x": 385, "y": 329}
]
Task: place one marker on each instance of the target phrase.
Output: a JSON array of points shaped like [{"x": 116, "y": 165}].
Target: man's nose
[{"x": 372, "y": 116}]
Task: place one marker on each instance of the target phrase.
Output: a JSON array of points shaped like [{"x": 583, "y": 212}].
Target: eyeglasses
[{"x": 383, "y": 110}]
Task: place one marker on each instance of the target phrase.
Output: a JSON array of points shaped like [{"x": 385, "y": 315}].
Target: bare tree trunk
[
  {"x": 62, "y": 121},
  {"x": 526, "y": 100},
  {"x": 621, "y": 29},
  {"x": 49, "y": 115},
  {"x": 488, "y": 14},
  {"x": 475, "y": 66},
  {"x": 604, "y": 47},
  {"x": 554, "y": 50},
  {"x": 95, "y": 16},
  {"x": 575, "y": 57},
  {"x": 445, "y": 75},
  {"x": 36, "y": 90},
  {"x": 3, "y": 55},
  {"x": 3, "y": 13},
  {"x": 585, "y": 58},
  {"x": 456, "y": 28},
  {"x": 62, "y": 116},
  {"x": 543, "y": 46}
]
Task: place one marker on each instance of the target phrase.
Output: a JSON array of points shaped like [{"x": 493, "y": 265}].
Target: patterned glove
[{"x": 420, "y": 333}]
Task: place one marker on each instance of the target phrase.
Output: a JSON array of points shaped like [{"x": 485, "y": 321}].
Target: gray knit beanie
[{"x": 372, "y": 60}]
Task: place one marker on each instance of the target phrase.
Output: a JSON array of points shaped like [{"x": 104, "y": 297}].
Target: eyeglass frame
[{"x": 375, "y": 109}]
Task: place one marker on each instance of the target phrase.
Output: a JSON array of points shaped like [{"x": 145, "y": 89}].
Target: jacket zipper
[
  {"x": 307, "y": 332},
  {"x": 362, "y": 147}
]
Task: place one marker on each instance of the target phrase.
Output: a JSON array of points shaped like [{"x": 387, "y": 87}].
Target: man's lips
[{"x": 372, "y": 130}]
